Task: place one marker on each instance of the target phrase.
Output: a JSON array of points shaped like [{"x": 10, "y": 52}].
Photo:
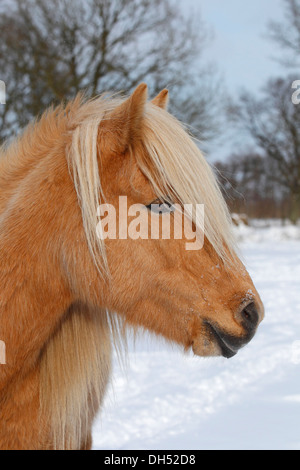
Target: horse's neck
[
  {"x": 33, "y": 291},
  {"x": 41, "y": 277},
  {"x": 32, "y": 303}
]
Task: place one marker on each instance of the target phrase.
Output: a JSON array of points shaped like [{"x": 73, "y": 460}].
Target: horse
[{"x": 68, "y": 296}]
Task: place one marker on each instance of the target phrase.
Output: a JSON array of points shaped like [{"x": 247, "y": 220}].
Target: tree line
[
  {"x": 50, "y": 51},
  {"x": 265, "y": 181}
]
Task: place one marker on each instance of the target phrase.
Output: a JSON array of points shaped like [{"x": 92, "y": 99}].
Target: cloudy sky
[
  {"x": 240, "y": 47},
  {"x": 243, "y": 54}
]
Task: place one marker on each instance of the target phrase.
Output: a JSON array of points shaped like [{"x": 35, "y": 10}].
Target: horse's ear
[
  {"x": 127, "y": 119},
  {"x": 162, "y": 99}
]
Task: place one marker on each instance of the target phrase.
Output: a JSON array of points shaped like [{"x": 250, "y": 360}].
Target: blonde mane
[
  {"x": 177, "y": 169},
  {"x": 181, "y": 167}
]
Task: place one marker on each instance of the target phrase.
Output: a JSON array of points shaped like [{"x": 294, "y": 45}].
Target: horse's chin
[{"x": 212, "y": 347}]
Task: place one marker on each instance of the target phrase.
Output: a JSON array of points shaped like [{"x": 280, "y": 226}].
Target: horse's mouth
[
  {"x": 224, "y": 342},
  {"x": 214, "y": 341}
]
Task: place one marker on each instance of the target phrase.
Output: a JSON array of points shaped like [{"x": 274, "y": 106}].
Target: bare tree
[
  {"x": 287, "y": 34},
  {"x": 266, "y": 181},
  {"x": 273, "y": 122},
  {"x": 248, "y": 188},
  {"x": 49, "y": 51}
]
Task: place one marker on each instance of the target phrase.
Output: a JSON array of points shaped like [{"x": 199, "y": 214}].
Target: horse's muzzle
[{"x": 249, "y": 319}]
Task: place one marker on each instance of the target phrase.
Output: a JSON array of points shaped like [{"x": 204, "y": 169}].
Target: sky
[{"x": 239, "y": 48}]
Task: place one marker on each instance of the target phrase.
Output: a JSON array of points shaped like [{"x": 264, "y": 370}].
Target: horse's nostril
[{"x": 249, "y": 317}]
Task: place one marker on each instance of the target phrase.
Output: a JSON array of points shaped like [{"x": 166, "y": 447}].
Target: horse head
[{"x": 203, "y": 298}]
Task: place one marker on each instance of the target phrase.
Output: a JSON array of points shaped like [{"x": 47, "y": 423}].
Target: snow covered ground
[{"x": 164, "y": 399}]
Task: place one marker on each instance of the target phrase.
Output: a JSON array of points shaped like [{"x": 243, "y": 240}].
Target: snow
[{"x": 165, "y": 399}]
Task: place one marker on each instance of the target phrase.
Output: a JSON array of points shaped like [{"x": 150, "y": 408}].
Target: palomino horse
[{"x": 63, "y": 288}]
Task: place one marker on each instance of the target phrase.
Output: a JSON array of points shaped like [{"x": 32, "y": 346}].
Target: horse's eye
[{"x": 161, "y": 207}]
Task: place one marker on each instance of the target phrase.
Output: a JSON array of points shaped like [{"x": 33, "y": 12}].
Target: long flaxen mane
[
  {"x": 176, "y": 168},
  {"x": 76, "y": 361}
]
